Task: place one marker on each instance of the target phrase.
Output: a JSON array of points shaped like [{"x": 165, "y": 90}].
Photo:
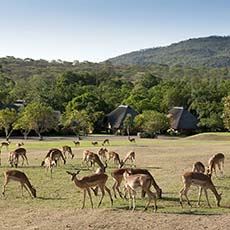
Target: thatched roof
[
  {"x": 181, "y": 119},
  {"x": 114, "y": 119}
]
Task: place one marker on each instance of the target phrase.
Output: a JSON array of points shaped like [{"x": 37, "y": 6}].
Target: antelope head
[{"x": 73, "y": 174}]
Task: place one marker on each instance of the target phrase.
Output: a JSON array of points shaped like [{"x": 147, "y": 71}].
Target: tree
[
  {"x": 128, "y": 124},
  {"x": 226, "y": 112},
  {"x": 151, "y": 121},
  {"x": 7, "y": 119},
  {"x": 38, "y": 117},
  {"x": 77, "y": 121}
]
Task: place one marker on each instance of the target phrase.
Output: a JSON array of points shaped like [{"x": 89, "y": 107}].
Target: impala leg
[
  {"x": 22, "y": 188},
  {"x": 114, "y": 189},
  {"x": 133, "y": 198},
  {"x": 90, "y": 197},
  {"x": 26, "y": 160},
  {"x": 84, "y": 194},
  {"x": 199, "y": 196},
  {"x": 102, "y": 194},
  {"x": 206, "y": 194},
  {"x": 4, "y": 186},
  {"x": 151, "y": 196},
  {"x": 184, "y": 192},
  {"x": 108, "y": 191},
  {"x": 118, "y": 188}
]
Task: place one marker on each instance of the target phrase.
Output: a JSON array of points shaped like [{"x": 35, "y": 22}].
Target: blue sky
[{"x": 95, "y": 30}]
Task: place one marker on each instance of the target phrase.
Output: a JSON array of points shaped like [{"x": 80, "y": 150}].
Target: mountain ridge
[{"x": 212, "y": 51}]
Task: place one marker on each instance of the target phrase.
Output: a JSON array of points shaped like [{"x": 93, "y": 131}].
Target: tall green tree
[
  {"x": 7, "y": 119},
  {"x": 38, "y": 117}
]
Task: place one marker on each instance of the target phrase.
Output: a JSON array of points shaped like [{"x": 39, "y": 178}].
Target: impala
[
  {"x": 143, "y": 181},
  {"x": 94, "y": 143},
  {"x": 116, "y": 158},
  {"x": 77, "y": 143},
  {"x": 216, "y": 160},
  {"x": 67, "y": 149},
  {"x": 21, "y": 178},
  {"x": 102, "y": 154},
  {"x": 94, "y": 158},
  {"x": 201, "y": 180},
  {"x": 198, "y": 167},
  {"x": 130, "y": 156},
  {"x": 49, "y": 164},
  {"x": 5, "y": 144},
  {"x": 131, "y": 139},
  {"x": 55, "y": 155},
  {"x": 117, "y": 175},
  {"x": 14, "y": 157},
  {"x": 91, "y": 181},
  {"x": 106, "y": 141}
]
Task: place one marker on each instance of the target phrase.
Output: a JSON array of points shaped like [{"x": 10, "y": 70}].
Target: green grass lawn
[{"x": 166, "y": 159}]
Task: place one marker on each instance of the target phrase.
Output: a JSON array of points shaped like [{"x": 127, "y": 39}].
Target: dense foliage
[{"x": 82, "y": 93}]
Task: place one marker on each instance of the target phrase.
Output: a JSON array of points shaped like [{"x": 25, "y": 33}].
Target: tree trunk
[{"x": 8, "y": 133}]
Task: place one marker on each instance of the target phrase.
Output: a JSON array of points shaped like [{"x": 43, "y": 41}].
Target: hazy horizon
[{"x": 98, "y": 30}]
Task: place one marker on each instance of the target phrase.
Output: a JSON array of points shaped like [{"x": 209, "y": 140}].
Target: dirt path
[{"x": 107, "y": 219}]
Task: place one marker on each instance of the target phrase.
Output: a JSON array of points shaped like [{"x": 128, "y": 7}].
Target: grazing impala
[
  {"x": 77, "y": 143},
  {"x": 55, "y": 155},
  {"x": 216, "y": 160},
  {"x": 116, "y": 158},
  {"x": 67, "y": 149},
  {"x": 5, "y": 144},
  {"x": 201, "y": 180},
  {"x": 91, "y": 181},
  {"x": 198, "y": 167},
  {"x": 131, "y": 139},
  {"x": 19, "y": 144},
  {"x": 94, "y": 158},
  {"x": 130, "y": 156},
  {"x": 117, "y": 175},
  {"x": 14, "y": 157},
  {"x": 94, "y": 143},
  {"x": 143, "y": 181},
  {"x": 106, "y": 141},
  {"x": 49, "y": 164},
  {"x": 21, "y": 178}
]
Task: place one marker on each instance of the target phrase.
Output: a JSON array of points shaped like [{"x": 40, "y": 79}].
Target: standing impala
[
  {"x": 91, "y": 181},
  {"x": 143, "y": 181},
  {"x": 117, "y": 175},
  {"x": 102, "y": 154},
  {"x": 201, "y": 180},
  {"x": 21, "y": 178},
  {"x": 216, "y": 160}
]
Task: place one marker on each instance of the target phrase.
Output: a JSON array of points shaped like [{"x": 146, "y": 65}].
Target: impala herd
[{"x": 133, "y": 178}]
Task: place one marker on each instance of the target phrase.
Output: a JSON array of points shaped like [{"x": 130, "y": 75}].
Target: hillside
[{"x": 211, "y": 51}]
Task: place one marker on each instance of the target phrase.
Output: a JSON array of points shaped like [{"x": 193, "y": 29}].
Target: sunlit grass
[{"x": 166, "y": 159}]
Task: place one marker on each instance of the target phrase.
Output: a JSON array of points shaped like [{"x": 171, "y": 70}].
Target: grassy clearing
[{"x": 166, "y": 159}]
